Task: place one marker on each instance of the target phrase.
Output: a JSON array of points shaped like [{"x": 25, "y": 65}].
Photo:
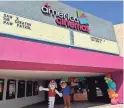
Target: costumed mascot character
[
  {"x": 111, "y": 89},
  {"x": 66, "y": 94},
  {"x": 51, "y": 92}
]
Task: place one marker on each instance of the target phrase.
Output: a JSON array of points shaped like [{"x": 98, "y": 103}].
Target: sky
[{"x": 109, "y": 10}]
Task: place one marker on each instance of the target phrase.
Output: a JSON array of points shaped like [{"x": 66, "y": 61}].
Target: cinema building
[{"x": 40, "y": 41}]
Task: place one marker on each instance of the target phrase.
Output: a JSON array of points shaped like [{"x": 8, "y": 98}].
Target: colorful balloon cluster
[{"x": 111, "y": 89}]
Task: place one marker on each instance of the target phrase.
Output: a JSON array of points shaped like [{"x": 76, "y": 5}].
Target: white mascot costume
[{"x": 51, "y": 92}]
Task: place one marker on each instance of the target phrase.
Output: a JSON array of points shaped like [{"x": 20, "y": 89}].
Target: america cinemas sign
[{"x": 64, "y": 20}]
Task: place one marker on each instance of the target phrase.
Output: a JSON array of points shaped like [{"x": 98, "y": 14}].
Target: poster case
[
  {"x": 21, "y": 89},
  {"x": 1, "y": 89},
  {"x": 29, "y": 88},
  {"x": 35, "y": 88},
  {"x": 11, "y": 89}
]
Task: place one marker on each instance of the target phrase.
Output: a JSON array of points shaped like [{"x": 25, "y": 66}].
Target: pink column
[{"x": 118, "y": 79}]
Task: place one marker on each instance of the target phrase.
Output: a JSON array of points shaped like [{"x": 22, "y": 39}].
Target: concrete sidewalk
[{"x": 80, "y": 105}]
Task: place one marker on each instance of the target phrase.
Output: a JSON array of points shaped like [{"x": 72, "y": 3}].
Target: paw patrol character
[
  {"x": 51, "y": 92},
  {"x": 66, "y": 94}
]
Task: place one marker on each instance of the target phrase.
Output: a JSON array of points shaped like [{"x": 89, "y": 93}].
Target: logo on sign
[
  {"x": 82, "y": 17},
  {"x": 79, "y": 23}
]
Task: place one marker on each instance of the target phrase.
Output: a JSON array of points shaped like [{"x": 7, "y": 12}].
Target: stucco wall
[
  {"x": 32, "y": 10},
  {"x": 20, "y": 102},
  {"x": 120, "y": 37},
  {"x": 118, "y": 79}
]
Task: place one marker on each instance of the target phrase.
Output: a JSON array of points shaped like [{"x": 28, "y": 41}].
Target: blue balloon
[{"x": 112, "y": 85}]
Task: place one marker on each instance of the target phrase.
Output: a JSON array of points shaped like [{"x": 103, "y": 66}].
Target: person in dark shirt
[{"x": 66, "y": 94}]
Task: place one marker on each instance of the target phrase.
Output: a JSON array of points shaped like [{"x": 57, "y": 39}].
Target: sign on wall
[
  {"x": 26, "y": 28},
  {"x": 11, "y": 89},
  {"x": 21, "y": 89},
  {"x": 29, "y": 29},
  {"x": 29, "y": 88},
  {"x": 79, "y": 22},
  {"x": 87, "y": 41},
  {"x": 1, "y": 88}
]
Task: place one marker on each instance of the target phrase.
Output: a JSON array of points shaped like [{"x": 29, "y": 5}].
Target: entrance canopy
[{"x": 24, "y": 55}]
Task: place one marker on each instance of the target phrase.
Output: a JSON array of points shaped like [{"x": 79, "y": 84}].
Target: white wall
[
  {"x": 20, "y": 102},
  {"x": 120, "y": 37}
]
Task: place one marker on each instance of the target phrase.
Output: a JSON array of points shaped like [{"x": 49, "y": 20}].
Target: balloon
[
  {"x": 111, "y": 85},
  {"x": 114, "y": 101},
  {"x": 72, "y": 83},
  {"x": 112, "y": 94},
  {"x": 107, "y": 80},
  {"x": 66, "y": 79},
  {"x": 76, "y": 79},
  {"x": 81, "y": 78},
  {"x": 108, "y": 75},
  {"x": 111, "y": 89}
]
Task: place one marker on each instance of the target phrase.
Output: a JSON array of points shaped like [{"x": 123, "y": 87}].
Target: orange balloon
[{"x": 112, "y": 94}]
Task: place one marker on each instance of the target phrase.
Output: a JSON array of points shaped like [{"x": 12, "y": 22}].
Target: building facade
[
  {"x": 120, "y": 37},
  {"x": 53, "y": 37}
]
